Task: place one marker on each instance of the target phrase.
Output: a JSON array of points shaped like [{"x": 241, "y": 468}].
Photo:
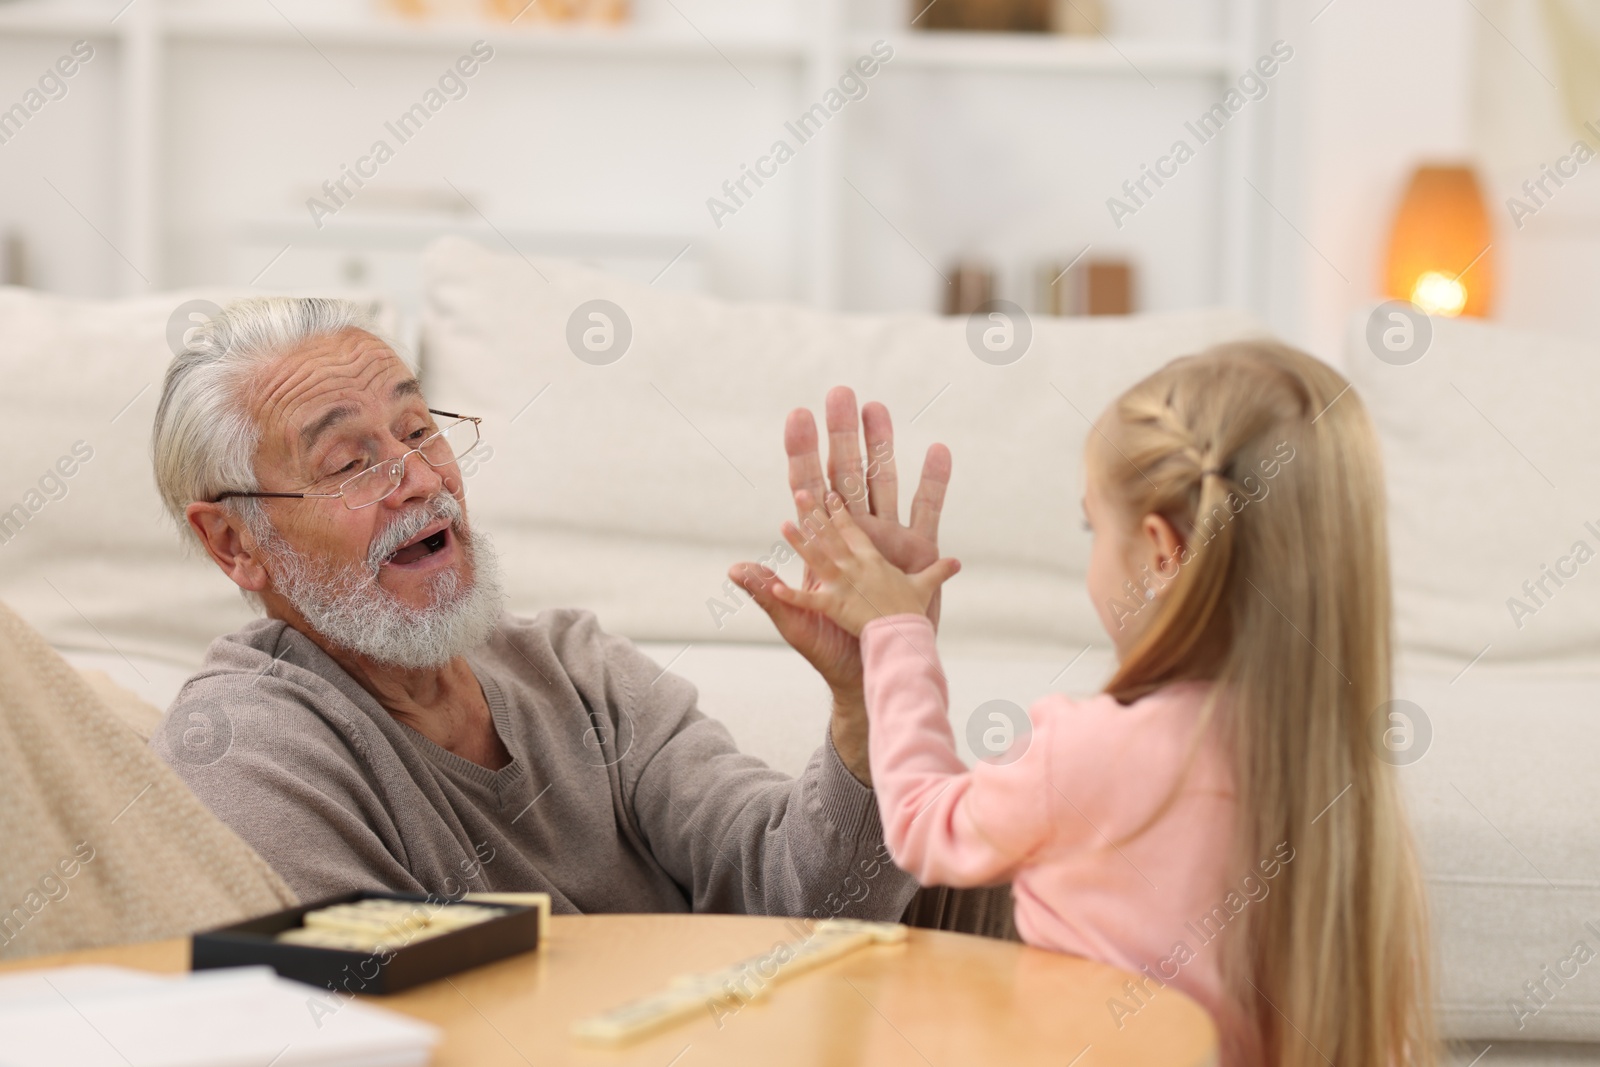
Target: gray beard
[{"x": 348, "y": 608}]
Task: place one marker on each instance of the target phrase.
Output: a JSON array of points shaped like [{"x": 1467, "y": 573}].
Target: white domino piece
[
  {"x": 526, "y": 900},
  {"x": 463, "y": 914},
  {"x": 374, "y": 923},
  {"x": 882, "y": 933},
  {"x": 823, "y": 948},
  {"x": 639, "y": 1017},
  {"x": 687, "y": 993},
  {"x": 741, "y": 982}
]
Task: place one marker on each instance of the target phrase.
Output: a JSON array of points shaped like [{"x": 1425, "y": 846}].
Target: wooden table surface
[{"x": 937, "y": 999}]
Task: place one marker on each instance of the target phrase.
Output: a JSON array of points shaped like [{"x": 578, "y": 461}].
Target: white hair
[{"x": 205, "y": 436}]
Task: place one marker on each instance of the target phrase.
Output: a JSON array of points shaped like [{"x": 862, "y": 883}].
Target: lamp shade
[{"x": 1440, "y": 252}]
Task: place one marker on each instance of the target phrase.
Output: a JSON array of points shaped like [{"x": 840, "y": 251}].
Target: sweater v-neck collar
[
  {"x": 461, "y": 767},
  {"x": 456, "y": 766}
]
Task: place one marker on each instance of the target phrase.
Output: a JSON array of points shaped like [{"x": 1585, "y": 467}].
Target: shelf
[
  {"x": 951, "y": 49},
  {"x": 936, "y": 49},
  {"x": 407, "y": 231},
  {"x": 40, "y": 18},
  {"x": 201, "y": 24},
  {"x": 207, "y": 26}
]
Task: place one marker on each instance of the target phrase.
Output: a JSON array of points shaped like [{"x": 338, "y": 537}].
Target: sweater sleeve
[
  {"x": 943, "y": 823},
  {"x": 737, "y": 835}
]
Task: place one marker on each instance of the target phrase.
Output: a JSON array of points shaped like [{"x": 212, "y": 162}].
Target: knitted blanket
[{"x": 100, "y": 842}]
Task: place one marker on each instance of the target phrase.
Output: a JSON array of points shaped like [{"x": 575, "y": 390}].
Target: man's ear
[{"x": 231, "y": 548}]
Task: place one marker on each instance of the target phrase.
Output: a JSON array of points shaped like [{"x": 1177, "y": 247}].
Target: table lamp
[{"x": 1439, "y": 252}]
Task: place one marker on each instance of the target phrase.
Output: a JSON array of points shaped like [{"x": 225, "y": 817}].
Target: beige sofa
[{"x": 627, "y": 485}]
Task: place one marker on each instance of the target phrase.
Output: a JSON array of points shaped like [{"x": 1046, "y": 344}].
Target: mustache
[{"x": 441, "y": 506}]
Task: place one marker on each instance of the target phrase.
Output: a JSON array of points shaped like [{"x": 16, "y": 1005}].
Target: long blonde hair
[{"x": 1282, "y": 598}]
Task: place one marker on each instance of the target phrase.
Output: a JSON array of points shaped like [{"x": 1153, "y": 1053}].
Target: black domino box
[{"x": 252, "y": 943}]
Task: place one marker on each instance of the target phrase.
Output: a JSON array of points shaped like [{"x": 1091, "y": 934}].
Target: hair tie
[{"x": 1213, "y": 470}]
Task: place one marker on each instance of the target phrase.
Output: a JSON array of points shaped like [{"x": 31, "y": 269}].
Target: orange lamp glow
[{"x": 1441, "y": 255}]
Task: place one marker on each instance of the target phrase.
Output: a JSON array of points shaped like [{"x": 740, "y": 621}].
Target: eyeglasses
[{"x": 439, "y": 449}]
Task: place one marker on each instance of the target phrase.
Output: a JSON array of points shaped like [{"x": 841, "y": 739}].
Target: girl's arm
[{"x": 944, "y": 824}]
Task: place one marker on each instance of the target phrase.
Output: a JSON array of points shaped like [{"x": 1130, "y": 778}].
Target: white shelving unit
[
  {"x": 1063, "y": 55},
  {"x": 143, "y": 31}
]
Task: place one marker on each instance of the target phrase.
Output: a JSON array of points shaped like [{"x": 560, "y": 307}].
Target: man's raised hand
[{"x": 870, "y": 489}]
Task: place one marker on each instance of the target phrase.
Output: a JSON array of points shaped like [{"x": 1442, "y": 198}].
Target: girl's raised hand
[{"x": 854, "y": 583}]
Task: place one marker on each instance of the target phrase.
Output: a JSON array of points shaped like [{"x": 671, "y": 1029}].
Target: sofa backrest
[
  {"x": 87, "y": 555},
  {"x": 1494, "y": 483},
  {"x": 627, "y": 479},
  {"x": 626, "y": 487}
]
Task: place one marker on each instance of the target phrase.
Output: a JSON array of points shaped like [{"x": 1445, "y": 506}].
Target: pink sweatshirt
[{"x": 1092, "y": 772}]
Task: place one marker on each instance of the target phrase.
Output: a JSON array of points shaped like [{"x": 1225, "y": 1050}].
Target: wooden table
[{"x": 937, "y": 999}]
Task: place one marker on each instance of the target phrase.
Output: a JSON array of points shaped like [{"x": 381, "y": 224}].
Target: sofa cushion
[
  {"x": 1492, "y": 487},
  {"x": 87, "y": 555},
  {"x": 630, "y": 486},
  {"x": 1502, "y": 803}
]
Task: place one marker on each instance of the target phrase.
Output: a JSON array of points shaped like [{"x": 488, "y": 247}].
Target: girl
[{"x": 1220, "y": 818}]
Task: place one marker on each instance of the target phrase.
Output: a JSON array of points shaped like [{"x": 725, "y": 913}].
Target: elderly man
[{"x": 392, "y": 728}]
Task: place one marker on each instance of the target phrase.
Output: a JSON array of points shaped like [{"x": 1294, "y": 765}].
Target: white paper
[{"x": 236, "y": 1017}]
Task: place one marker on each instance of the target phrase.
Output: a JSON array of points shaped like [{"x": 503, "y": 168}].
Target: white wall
[
  {"x": 1551, "y": 262},
  {"x": 71, "y": 144},
  {"x": 1388, "y": 86},
  {"x": 1393, "y": 85}
]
